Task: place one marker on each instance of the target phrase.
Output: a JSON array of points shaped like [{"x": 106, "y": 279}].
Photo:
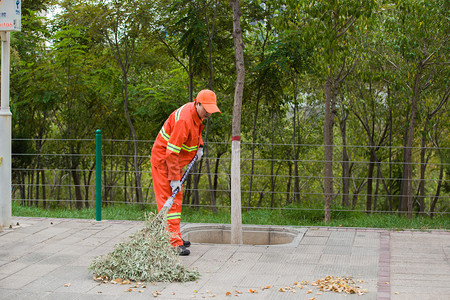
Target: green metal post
[{"x": 98, "y": 175}]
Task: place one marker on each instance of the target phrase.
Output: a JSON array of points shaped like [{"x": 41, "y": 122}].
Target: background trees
[{"x": 341, "y": 101}]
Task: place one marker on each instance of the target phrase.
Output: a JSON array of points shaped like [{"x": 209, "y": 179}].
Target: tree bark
[
  {"x": 345, "y": 162},
  {"x": 252, "y": 168},
  {"x": 408, "y": 169},
  {"x": 328, "y": 144},
  {"x": 236, "y": 213},
  {"x": 423, "y": 163}
]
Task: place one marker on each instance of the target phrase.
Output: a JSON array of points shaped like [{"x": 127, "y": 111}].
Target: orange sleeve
[{"x": 178, "y": 136}]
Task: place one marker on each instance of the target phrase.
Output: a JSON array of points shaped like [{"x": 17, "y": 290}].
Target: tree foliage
[{"x": 342, "y": 100}]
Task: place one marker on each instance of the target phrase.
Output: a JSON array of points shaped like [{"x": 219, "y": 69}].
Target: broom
[
  {"x": 147, "y": 256},
  {"x": 168, "y": 205}
]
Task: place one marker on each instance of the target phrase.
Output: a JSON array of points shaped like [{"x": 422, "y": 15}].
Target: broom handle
[{"x": 169, "y": 201}]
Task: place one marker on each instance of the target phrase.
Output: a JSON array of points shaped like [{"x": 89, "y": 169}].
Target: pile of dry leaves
[{"x": 338, "y": 285}]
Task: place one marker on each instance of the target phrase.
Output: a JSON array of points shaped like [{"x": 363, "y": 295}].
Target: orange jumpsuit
[{"x": 175, "y": 146}]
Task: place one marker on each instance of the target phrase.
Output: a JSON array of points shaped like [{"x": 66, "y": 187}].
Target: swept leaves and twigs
[
  {"x": 339, "y": 285},
  {"x": 146, "y": 256}
]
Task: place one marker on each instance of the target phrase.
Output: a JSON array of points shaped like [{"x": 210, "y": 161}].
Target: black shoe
[
  {"x": 186, "y": 243},
  {"x": 183, "y": 251}
]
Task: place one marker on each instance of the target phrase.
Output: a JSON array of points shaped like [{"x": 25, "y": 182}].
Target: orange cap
[{"x": 208, "y": 100}]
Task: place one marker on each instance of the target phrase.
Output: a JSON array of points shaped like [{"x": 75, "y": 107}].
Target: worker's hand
[
  {"x": 199, "y": 152},
  {"x": 175, "y": 184}
]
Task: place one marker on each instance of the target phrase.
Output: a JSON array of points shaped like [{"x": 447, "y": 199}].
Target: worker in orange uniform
[{"x": 178, "y": 141}]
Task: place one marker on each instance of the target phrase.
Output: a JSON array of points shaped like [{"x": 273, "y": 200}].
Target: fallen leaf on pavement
[{"x": 156, "y": 294}]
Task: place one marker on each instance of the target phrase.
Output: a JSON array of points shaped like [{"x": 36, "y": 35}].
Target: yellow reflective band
[
  {"x": 166, "y": 137},
  {"x": 173, "y": 148},
  {"x": 189, "y": 149},
  {"x": 164, "y": 134},
  {"x": 173, "y": 216},
  {"x": 178, "y": 112}
]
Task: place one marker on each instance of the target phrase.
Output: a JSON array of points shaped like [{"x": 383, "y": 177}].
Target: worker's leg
[
  {"x": 163, "y": 191},
  {"x": 174, "y": 219}
]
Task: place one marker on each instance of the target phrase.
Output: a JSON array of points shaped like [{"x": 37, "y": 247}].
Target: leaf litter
[
  {"x": 338, "y": 285},
  {"x": 146, "y": 256}
]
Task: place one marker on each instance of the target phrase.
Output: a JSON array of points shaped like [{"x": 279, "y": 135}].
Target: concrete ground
[{"x": 44, "y": 258}]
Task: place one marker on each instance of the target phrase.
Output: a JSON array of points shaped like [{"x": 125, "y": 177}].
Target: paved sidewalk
[{"x": 44, "y": 258}]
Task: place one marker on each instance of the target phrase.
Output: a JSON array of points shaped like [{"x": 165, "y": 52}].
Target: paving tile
[
  {"x": 315, "y": 232},
  {"x": 337, "y": 249},
  {"x": 314, "y": 240},
  {"x": 6, "y": 292},
  {"x": 421, "y": 296},
  {"x": 16, "y": 281},
  {"x": 22, "y": 295},
  {"x": 256, "y": 281},
  {"x": 38, "y": 269},
  {"x": 13, "y": 267},
  {"x": 59, "y": 296},
  {"x": 301, "y": 258},
  {"x": 335, "y": 259}
]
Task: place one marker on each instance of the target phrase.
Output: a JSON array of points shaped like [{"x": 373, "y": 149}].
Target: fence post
[{"x": 98, "y": 175}]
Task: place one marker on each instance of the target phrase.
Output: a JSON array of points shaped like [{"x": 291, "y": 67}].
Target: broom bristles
[{"x": 146, "y": 256}]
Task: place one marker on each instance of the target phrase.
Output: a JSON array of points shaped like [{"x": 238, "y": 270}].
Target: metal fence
[{"x": 62, "y": 173}]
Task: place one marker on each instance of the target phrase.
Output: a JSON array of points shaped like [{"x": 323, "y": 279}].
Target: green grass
[
  {"x": 116, "y": 212},
  {"x": 289, "y": 217}
]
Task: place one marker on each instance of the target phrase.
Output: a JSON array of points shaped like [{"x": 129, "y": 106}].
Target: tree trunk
[
  {"x": 252, "y": 168},
  {"x": 422, "y": 170},
  {"x": 391, "y": 204},
  {"x": 438, "y": 191},
  {"x": 44, "y": 190},
  {"x": 137, "y": 174},
  {"x": 272, "y": 162},
  {"x": 236, "y": 213},
  {"x": 370, "y": 179},
  {"x": 288, "y": 186},
  {"x": 125, "y": 195},
  {"x": 36, "y": 199},
  {"x": 87, "y": 184},
  {"x": 77, "y": 183},
  {"x": 208, "y": 170},
  {"x": 195, "y": 195},
  {"x": 216, "y": 174},
  {"x": 407, "y": 176},
  {"x": 377, "y": 186},
  {"x": 295, "y": 150},
  {"x": 423, "y": 164},
  {"x": 328, "y": 144},
  {"x": 22, "y": 188},
  {"x": 345, "y": 162},
  {"x": 187, "y": 189}
]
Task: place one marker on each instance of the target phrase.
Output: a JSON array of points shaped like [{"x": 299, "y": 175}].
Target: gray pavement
[{"x": 43, "y": 258}]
